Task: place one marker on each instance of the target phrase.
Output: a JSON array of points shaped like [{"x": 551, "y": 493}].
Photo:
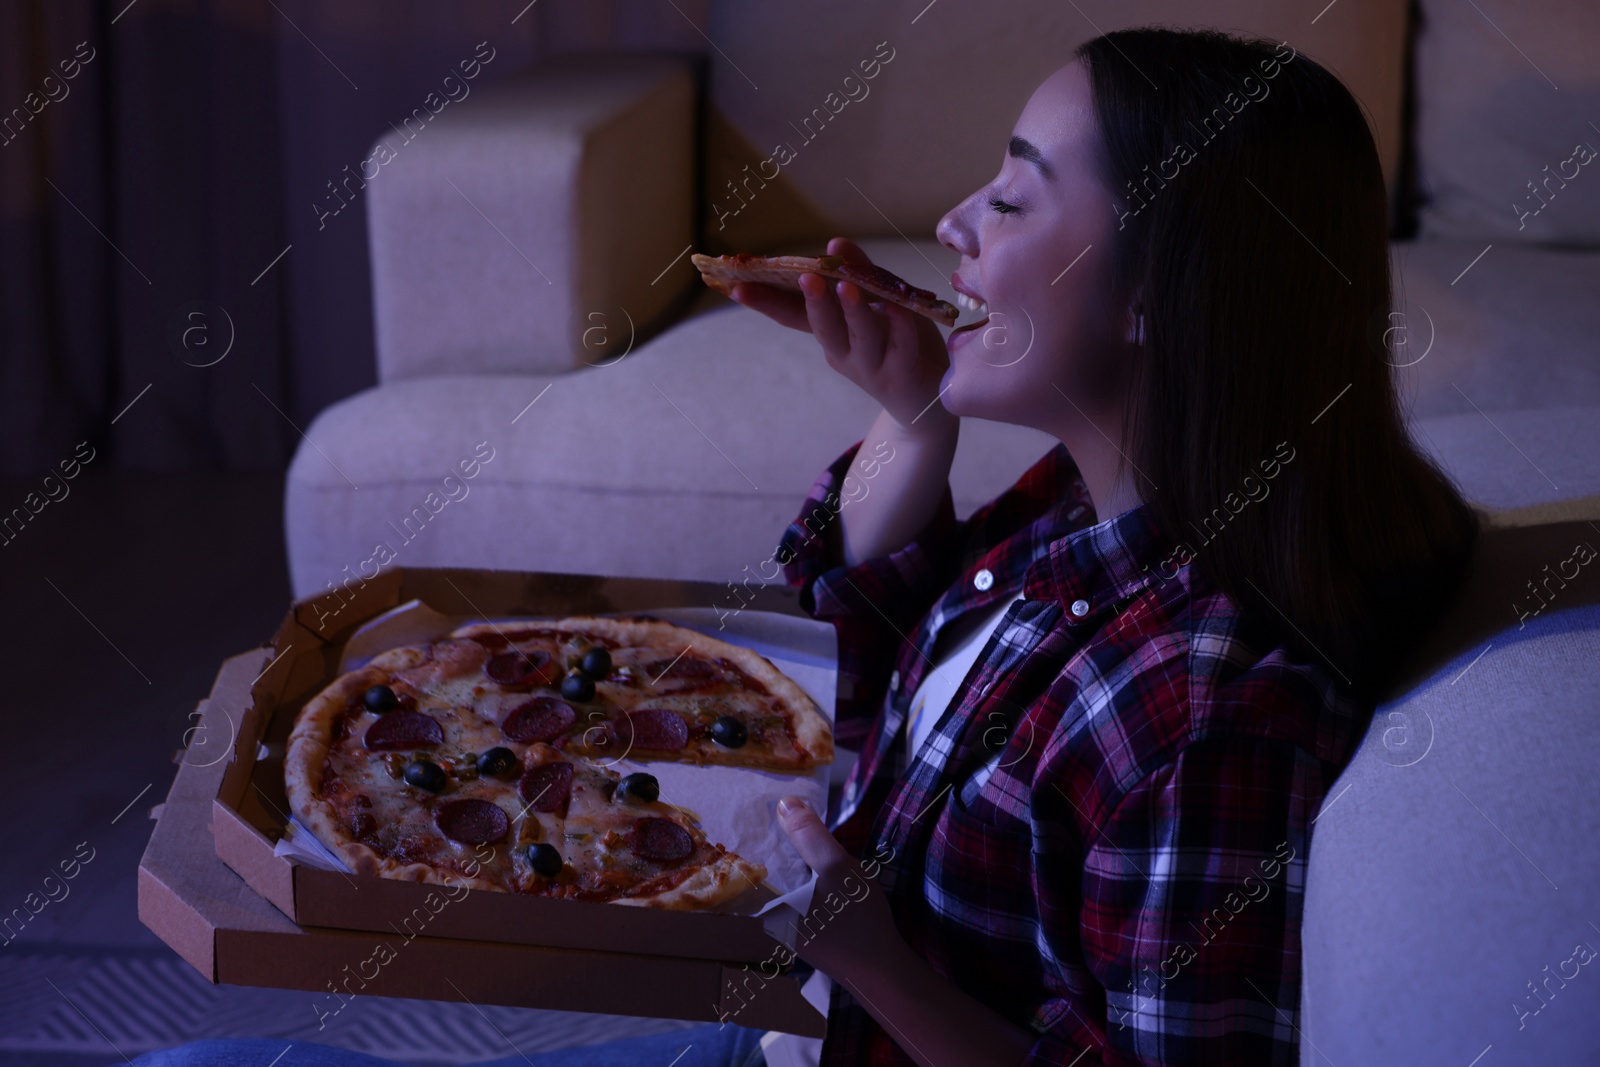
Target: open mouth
[
  {"x": 971, "y": 303},
  {"x": 966, "y": 301}
]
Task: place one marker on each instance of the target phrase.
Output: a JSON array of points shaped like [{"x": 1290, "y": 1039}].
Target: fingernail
[{"x": 789, "y": 806}]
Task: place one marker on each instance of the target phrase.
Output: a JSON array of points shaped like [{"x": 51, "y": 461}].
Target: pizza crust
[
  {"x": 726, "y": 878},
  {"x": 362, "y": 860},
  {"x": 309, "y": 743}
]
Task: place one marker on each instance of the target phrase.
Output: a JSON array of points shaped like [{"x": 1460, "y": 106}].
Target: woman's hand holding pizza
[{"x": 896, "y": 356}]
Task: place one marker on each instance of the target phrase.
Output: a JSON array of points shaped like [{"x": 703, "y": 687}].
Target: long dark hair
[{"x": 1252, "y": 214}]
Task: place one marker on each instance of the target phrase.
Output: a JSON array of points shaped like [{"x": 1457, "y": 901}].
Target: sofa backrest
[
  {"x": 523, "y": 233},
  {"x": 1450, "y": 888},
  {"x": 880, "y": 117},
  {"x": 1508, "y": 121}
]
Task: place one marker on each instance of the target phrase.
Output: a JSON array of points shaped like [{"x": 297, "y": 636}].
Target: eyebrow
[{"x": 1024, "y": 149}]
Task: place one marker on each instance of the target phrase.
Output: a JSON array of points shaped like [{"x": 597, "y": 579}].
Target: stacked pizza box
[{"x": 249, "y": 896}]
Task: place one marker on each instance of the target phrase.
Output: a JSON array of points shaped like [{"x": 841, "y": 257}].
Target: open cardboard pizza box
[{"x": 292, "y": 924}]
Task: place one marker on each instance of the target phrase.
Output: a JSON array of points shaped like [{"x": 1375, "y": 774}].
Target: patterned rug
[{"x": 61, "y": 1004}]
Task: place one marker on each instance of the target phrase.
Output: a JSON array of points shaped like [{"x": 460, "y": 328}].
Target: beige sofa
[{"x": 539, "y": 325}]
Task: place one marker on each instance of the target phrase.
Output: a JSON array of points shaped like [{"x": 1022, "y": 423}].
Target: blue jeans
[{"x": 711, "y": 1045}]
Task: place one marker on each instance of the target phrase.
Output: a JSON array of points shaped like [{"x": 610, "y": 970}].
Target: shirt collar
[{"x": 1101, "y": 566}]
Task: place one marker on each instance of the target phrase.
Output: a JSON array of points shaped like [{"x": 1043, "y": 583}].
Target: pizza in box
[{"x": 486, "y": 758}]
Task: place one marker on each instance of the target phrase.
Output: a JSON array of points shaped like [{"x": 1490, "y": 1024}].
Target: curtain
[{"x": 175, "y": 288}]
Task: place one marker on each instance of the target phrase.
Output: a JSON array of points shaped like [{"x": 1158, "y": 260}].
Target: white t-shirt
[{"x": 938, "y": 687}]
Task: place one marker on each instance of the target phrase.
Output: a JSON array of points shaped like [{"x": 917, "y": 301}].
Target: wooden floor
[{"x": 121, "y": 599}]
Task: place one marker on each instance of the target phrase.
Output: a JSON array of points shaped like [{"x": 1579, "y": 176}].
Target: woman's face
[{"x": 1036, "y": 247}]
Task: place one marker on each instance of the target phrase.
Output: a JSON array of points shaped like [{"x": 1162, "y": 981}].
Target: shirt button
[
  {"x": 983, "y": 580},
  {"x": 1080, "y": 608},
  {"x": 894, "y": 682}
]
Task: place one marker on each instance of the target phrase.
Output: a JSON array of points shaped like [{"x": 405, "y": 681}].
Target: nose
[{"x": 956, "y": 231}]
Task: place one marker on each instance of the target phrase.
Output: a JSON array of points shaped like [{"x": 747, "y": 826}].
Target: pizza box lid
[
  {"x": 250, "y": 811},
  {"x": 231, "y": 934}
]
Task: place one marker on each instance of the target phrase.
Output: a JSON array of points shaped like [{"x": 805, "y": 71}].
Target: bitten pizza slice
[{"x": 722, "y": 273}]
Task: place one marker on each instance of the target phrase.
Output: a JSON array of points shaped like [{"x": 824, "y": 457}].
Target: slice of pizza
[
  {"x": 592, "y": 834},
  {"x": 722, "y": 273},
  {"x": 635, "y": 687},
  {"x": 401, "y": 784}
]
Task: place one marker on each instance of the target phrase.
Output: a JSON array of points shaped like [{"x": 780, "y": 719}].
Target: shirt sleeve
[
  {"x": 1191, "y": 903},
  {"x": 876, "y": 604}
]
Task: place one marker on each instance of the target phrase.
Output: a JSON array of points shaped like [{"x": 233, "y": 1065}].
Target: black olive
[
  {"x": 596, "y": 663},
  {"x": 426, "y": 774},
  {"x": 380, "y": 698},
  {"x": 499, "y": 762},
  {"x": 545, "y": 860},
  {"x": 577, "y": 686},
  {"x": 728, "y": 732},
  {"x": 639, "y": 788}
]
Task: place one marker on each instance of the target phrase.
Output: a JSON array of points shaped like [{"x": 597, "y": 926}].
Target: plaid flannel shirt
[{"x": 1104, "y": 837}]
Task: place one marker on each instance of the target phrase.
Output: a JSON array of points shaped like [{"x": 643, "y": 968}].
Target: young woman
[{"x": 1097, "y": 718}]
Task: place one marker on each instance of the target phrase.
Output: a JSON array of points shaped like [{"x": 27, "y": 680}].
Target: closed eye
[{"x": 1002, "y": 207}]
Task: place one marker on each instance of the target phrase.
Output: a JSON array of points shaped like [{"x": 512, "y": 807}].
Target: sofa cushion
[
  {"x": 1452, "y": 867},
  {"x": 1502, "y": 104},
  {"x": 901, "y": 149},
  {"x": 1527, "y": 468}
]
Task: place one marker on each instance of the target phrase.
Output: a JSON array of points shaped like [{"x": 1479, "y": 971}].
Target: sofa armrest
[{"x": 514, "y": 225}]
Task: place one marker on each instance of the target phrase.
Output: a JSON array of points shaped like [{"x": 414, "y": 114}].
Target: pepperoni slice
[
  {"x": 546, "y": 788},
  {"x": 540, "y": 719},
  {"x": 661, "y": 840},
  {"x": 661, "y": 729},
  {"x": 404, "y": 729},
  {"x": 515, "y": 667},
  {"x": 472, "y": 821}
]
